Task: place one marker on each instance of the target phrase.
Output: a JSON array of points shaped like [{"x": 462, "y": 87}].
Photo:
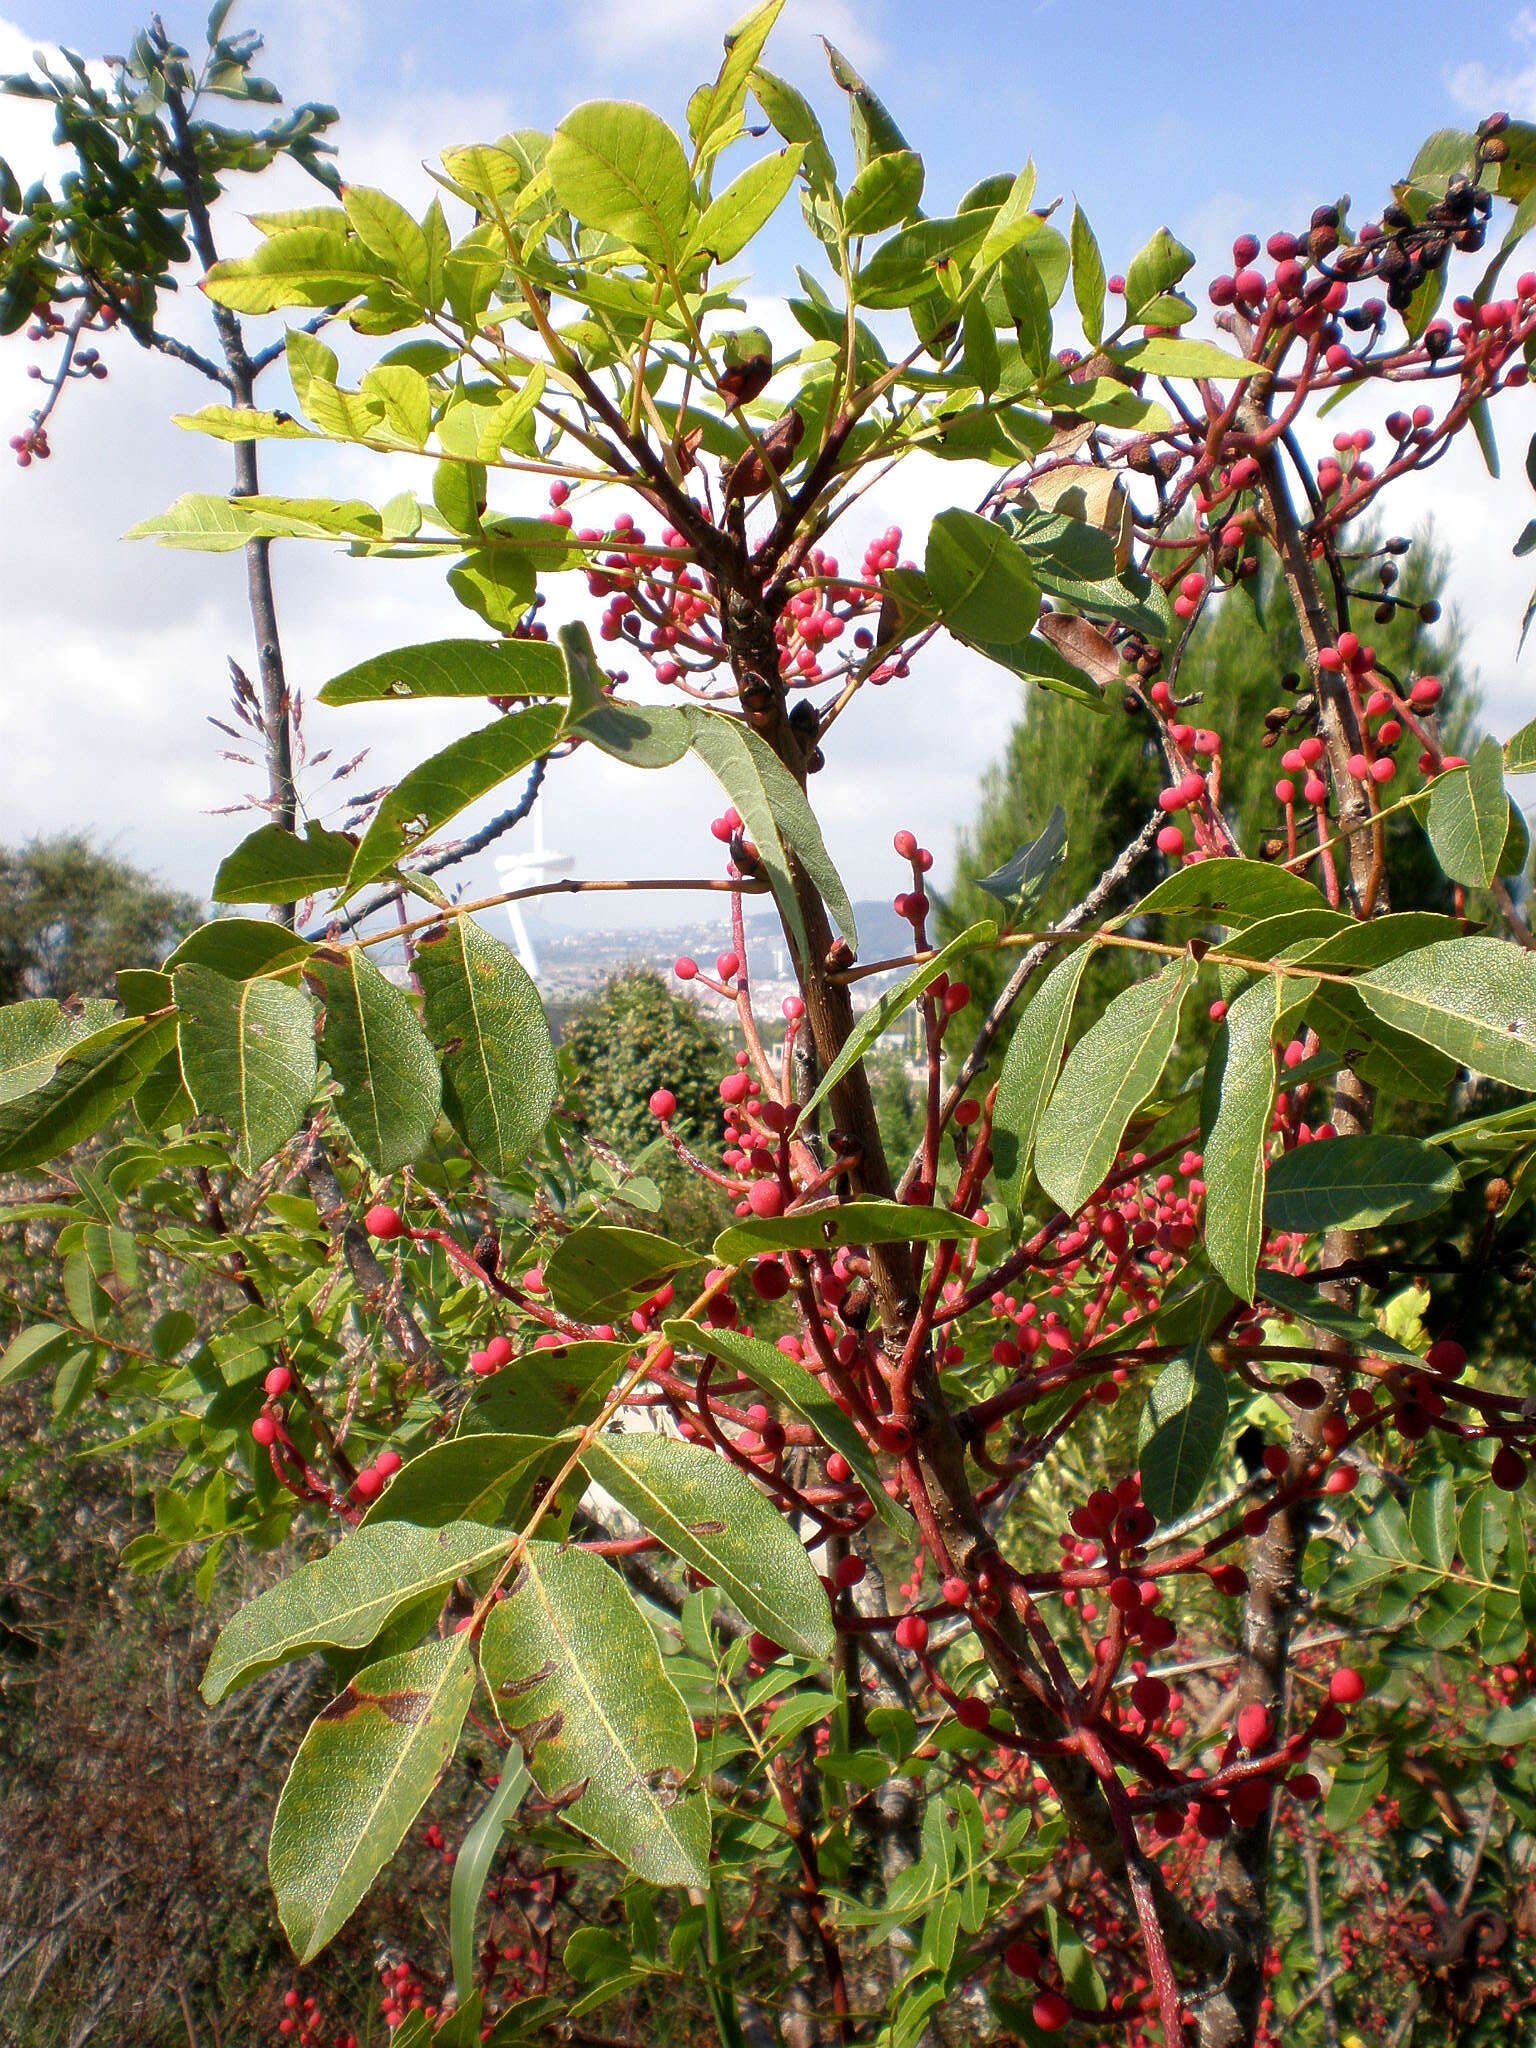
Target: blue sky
[
  {"x": 1145, "y": 112},
  {"x": 1211, "y": 118}
]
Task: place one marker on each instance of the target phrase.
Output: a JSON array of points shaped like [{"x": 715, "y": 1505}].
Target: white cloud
[{"x": 1511, "y": 89}]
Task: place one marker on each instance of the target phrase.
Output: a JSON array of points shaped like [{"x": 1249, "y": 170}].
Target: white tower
[{"x": 525, "y": 870}]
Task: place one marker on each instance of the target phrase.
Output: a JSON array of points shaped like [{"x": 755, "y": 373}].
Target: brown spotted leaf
[
  {"x": 576, "y": 1676},
  {"x": 362, "y": 1774}
]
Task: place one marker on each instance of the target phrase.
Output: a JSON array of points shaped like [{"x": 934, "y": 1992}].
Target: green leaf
[
  {"x": 1234, "y": 1148},
  {"x": 1480, "y": 418},
  {"x": 804, "y": 1395},
  {"x": 484, "y": 1015},
  {"x": 1303, "y": 1299},
  {"x": 874, "y": 132},
  {"x": 1520, "y": 750},
  {"x": 1110, "y": 1072},
  {"x": 29, "y": 1350},
  {"x": 1170, "y": 355},
  {"x": 885, "y": 193},
  {"x": 1030, "y": 1067},
  {"x": 1357, "y": 1784},
  {"x": 1473, "y": 998},
  {"x": 980, "y": 579},
  {"x": 485, "y": 1476},
  {"x": 1014, "y": 222},
  {"x": 1181, "y": 1432},
  {"x": 247, "y": 1056},
  {"x": 1358, "y": 1183},
  {"x": 746, "y": 204},
  {"x": 876, "y": 1019},
  {"x": 902, "y": 270},
  {"x": 574, "y": 1673},
  {"x": 715, "y": 111},
  {"x": 827, "y": 1224},
  {"x": 343, "y": 1600},
  {"x": 545, "y": 1392},
  {"x": 606, "y": 1269},
  {"x": 619, "y": 167},
  {"x": 708, "y": 1513},
  {"x": 1468, "y": 819},
  {"x": 644, "y": 735},
  {"x": 1154, "y": 270},
  {"x": 1021, "y": 881},
  {"x": 242, "y": 423},
  {"x": 35, "y": 1034},
  {"x": 274, "y": 865},
  {"x": 983, "y": 363},
  {"x": 406, "y": 397},
  {"x": 361, "y": 1776},
  {"x": 1391, "y": 1060},
  {"x": 778, "y": 819},
  {"x": 306, "y": 266},
  {"x": 390, "y": 236},
  {"x": 1087, "y": 276},
  {"x": 791, "y": 116},
  {"x": 472, "y": 1866},
  {"x": 453, "y": 668},
  {"x": 241, "y": 947},
  {"x": 221, "y": 525},
  {"x": 378, "y": 1052},
  {"x": 496, "y": 585},
  {"x": 1230, "y": 892}
]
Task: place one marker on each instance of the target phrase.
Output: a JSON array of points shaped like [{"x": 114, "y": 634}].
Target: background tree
[
  {"x": 69, "y": 913},
  {"x": 621, "y": 1038},
  {"x": 1244, "y": 661}
]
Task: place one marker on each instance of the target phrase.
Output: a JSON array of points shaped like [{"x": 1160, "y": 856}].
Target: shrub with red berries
[{"x": 862, "y": 1578}]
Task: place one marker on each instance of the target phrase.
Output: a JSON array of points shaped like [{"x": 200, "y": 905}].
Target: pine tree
[{"x": 1106, "y": 771}]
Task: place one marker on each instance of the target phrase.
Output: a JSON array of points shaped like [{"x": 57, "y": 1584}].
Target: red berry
[
  {"x": 1254, "y": 1725},
  {"x": 387, "y": 1464},
  {"x": 1050, "y": 2012},
  {"x": 838, "y": 1469},
  {"x": 1346, "y": 1686},
  {"x": 663, "y": 1104},
  {"x": 973, "y": 1713},
  {"x": 383, "y": 1221},
  {"x": 1022, "y": 1958},
  {"x": 499, "y": 1351},
  {"x": 765, "y": 1198},
  {"x": 278, "y": 1381},
  {"x": 1508, "y": 1470},
  {"x": 368, "y": 1485},
  {"x": 1150, "y": 1697},
  {"x": 264, "y": 1430},
  {"x": 912, "y": 1632}
]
